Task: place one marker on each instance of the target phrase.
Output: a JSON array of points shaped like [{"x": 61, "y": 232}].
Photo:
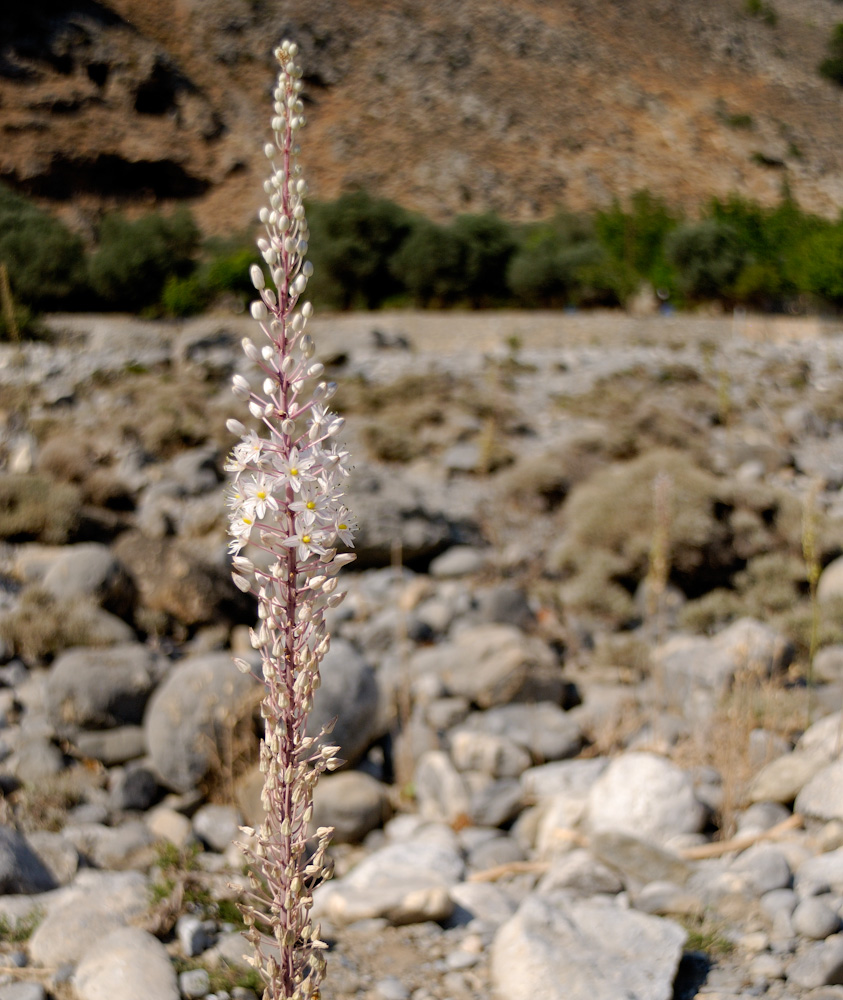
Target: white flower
[
  {"x": 258, "y": 495},
  {"x": 306, "y": 543},
  {"x": 295, "y": 468}
]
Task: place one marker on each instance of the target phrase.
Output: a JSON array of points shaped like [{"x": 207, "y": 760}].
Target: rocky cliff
[{"x": 514, "y": 105}]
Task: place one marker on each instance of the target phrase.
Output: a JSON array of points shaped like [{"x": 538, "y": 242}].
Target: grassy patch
[
  {"x": 18, "y": 931},
  {"x": 707, "y": 934}
]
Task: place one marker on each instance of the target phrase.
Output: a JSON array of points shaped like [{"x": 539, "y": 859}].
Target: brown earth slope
[{"x": 515, "y": 105}]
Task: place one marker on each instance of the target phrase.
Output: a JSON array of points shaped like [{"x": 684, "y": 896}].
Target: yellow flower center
[
  {"x": 261, "y": 495},
  {"x": 342, "y": 527},
  {"x": 306, "y": 539},
  {"x": 310, "y": 505},
  {"x": 294, "y": 472}
]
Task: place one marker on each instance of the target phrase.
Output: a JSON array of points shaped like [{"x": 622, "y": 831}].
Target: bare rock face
[{"x": 143, "y": 101}]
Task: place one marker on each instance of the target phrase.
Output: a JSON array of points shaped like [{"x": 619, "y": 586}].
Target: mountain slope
[{"x": 516, "y": 105}]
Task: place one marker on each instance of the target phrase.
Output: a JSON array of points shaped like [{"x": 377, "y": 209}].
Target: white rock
[
  {"x": 128, "y": 963},
  {"x": 647, "y": 796},
  {"x": 554, "y": 948}
]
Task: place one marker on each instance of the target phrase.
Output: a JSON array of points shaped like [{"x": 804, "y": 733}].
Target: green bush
[
  {"x": 546, "y": 270},
  {"x": 488, "y": 245},
  {"x": 634, "y": 239},
  {"x": 45, "y": 261},
  {"x": 354, "y": 240},
  {"x": 708, "y": 258},
  {"x": 133, "y": 260},
  {"x": 832, "y": 66},
  {"x": 431, "y": 265},
  {"x": 184, "y": 296},
  {"x": 818, "y": 267}
]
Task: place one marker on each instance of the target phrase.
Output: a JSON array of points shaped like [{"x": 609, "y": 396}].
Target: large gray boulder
[
  {"x": 101, "y": 688},
  {"x": 699, "y": 671},
  {"x": 128, "y": 963},
  {"x": 191, "y": 712},
  {"x": 349, "y": 694},
  {"x": 558, "y": 948},
  {"x": 645, "y": 795}
]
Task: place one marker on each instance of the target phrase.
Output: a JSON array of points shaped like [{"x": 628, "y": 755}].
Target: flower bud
[
  {"x": 257, "y": 277},
  {"x": 258, "y": 310},
  {"x": 240, "y": 387},
  {"x": 235, "y": 427}
]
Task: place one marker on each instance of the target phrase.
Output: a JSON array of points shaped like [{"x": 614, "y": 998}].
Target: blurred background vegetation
[{"x": 370, "y": 253}]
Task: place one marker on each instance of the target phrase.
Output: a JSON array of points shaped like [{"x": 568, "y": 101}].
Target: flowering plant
[{"x": 287, "y": 518}]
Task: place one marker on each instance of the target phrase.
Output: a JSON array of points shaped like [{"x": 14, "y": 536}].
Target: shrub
[
  {"x": 44, "y": 259},
  {"x": 546, "y": 269},
  {"x": 431, "y": 265},
  {"x": 708, "y": 258},
  {"x": 634, "y": 239},
  {"x": 818, "y": 266},
  {"x": 354, "y": 240},
  {"x": 832, "y": 66},
  {"x": 488, "y": 244},
  {"x": 134, "y": 259}
]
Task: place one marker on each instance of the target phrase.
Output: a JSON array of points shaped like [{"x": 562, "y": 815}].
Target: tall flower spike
[{"x": 287, "y": 518}]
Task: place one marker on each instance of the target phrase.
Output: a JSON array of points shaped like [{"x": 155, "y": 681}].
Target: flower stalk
[{"x": 287, "y": 520}]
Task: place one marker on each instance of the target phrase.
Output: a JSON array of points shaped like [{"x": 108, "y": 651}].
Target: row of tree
[{"x": 369, "y": 252}]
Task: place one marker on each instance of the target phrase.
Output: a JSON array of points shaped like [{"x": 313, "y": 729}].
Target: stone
[
  {"x": 820, "y": 964},
  {"x": 21, "y": 869},
  {"x": 666, "y": 899},
  {"x": 821, "y": 873},
  {"x": 167, "y": 824},
  {"x": 134, "y": 788},
  {"x": 765, "y": 868},
  {"x": 822, "y": 795},
  {"x": 830, "y": 585},
  {"x": 493, "y": 802},
  {"x": 441, "y": 792},
  {"x": 111, "y": 746},
  {"x": 405, "y": 882},
  {"x": 80, "y": 916},
  {"x": 506, "y": 605},
  {"x": 23, "y": 991},
  {"x": 91, "y": 570},
  {"x": 647, "y": 796},
  {"x": 824, "y": 738},
  {"x": 495, "y": 851},
  {"x": 828, "y": 664},
  {"x": 483, "y": 901},
  {"x": 459, "y": 560},
  {"x": 100, "y": 688},
  {"x": 556, "y": 948},
  {"x": 352, "y": 802},
  {"x": 194, "y": 983},
  {"x": 639, "y": 861},
  {"x": 487, "y": 753},
  {"x": 542, "y": 730},
  {"x": 112, "y": 846},
  {"x": 784, "y": 778},
  {"x": 217, "y": 825},
  {"x": 348, "y": 693},
  {"x": 188, "y": 716},
  {"x": 580, "y": 874},
  {"x": 128, "y": 963},
  {"x": 195, "y": 935},
  {"x": 692, "y": 664},
  {"x": 814, "y": 918},
  {"x": 59, "y": 856}
]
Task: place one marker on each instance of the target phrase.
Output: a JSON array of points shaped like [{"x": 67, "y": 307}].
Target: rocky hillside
[{"x": 515, "y": 105}]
